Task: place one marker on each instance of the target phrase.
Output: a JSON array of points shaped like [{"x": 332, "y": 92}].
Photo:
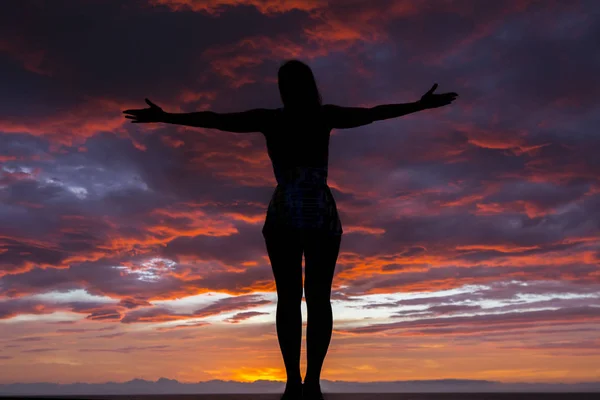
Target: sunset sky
[{"x": 472, "y": 232}]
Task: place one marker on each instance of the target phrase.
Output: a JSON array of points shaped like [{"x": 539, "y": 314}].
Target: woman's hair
[{"x": 297, "y": 86}]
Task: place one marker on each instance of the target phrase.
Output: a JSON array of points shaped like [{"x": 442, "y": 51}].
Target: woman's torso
[{"x": 298, "y": 146}]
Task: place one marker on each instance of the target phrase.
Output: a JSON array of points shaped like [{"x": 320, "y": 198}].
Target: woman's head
[{"x": 297, "y": 86}]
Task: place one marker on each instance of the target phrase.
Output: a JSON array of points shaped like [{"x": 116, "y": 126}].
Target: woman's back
[
  {"x": 298, "y": 139},
  {"x": 298, "y": 146}
]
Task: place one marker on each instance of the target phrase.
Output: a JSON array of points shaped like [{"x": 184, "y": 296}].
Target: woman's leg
[
  {"x": 285, "y": 254},
  {"x": 320, "y": 256}
]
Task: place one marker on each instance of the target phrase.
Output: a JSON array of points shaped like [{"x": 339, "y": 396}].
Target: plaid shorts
[{"x": 302, "y": 201}]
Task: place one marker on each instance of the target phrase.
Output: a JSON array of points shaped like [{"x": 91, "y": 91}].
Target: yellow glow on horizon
[{"x": 256, "y": 374}]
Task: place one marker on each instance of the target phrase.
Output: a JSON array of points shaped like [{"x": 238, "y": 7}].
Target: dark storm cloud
[
  {"x": 133, "y": 303},
  {"x": 232, "y": 303},
  {"x": 244, "y": 316}
]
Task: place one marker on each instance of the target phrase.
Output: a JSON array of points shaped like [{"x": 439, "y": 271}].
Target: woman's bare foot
[
  {"x": 293, "y": 391},
  {"x": 312, "y": 391}
]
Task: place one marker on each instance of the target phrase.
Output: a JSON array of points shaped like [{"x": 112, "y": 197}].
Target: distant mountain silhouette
[{"x": 171, "y": 386}]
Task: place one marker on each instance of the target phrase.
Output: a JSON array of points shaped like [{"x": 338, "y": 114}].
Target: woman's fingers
[
  {"x": 138, "y": 120},
  {"x": 445, "y": 95},
  {"x": 139, "y": 111},
  {"x": 142, "y": 115},
  {"x": 151, "y": 104},
  {"x": 435, "y": 85}
]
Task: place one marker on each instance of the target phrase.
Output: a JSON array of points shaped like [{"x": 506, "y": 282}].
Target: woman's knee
[
  {"x": 318, "y": 306},
  {"x": 318, "y": 296},
  {"x": 290, "y": 295}
]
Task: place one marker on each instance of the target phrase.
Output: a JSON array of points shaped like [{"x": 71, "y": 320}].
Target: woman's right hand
[
  {"x": 152, "y": 114},
  {"x": 430, "y": 100}
]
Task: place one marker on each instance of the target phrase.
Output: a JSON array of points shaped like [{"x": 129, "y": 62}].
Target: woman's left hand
[
  {"x": 152, "y": 114},
  {"x": 430, "y": 100}
]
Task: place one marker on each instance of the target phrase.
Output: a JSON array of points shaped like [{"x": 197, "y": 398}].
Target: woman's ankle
[
  {"x": 294, "y": 382},
  {"x": 311, "y": 382}
]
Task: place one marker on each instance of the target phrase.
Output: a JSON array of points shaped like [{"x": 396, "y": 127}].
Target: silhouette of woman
[{"x": 302, "y": 215}]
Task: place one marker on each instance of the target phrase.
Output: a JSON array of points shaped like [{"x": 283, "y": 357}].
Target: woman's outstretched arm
[
  {"x": 246, "y": 121},
  {"x": 351, "y": 117}
]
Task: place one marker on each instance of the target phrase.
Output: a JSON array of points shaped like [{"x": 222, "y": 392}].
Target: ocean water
[{"x": 345, "y": 396}]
